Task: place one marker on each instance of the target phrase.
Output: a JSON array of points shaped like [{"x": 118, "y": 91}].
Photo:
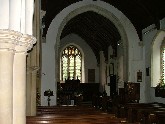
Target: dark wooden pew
[
  {"x": 144, "y": 112},
  {"x": 131, "y": 110},
  {"x": 66, "y": 110},
  {"x": 75, "y": 120},
  {"x": 155, "y": 116},
  {"x": 138, "y": 112},
  {"x": 73, "y": 115}
]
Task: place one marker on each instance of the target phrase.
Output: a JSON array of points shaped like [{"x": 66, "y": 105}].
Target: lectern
[{"x": 48, "y": 93}]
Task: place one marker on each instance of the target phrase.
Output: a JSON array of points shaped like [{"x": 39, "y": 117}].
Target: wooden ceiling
[{"x": 98, "y": 31}]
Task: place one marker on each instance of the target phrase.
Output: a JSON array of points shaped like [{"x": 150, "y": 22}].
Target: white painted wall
[{"x": 48, "y": 74}]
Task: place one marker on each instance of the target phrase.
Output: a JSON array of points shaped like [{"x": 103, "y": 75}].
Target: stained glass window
[
  {"x": 163, "y": 62},
  {"x": 71, "y": 63}
]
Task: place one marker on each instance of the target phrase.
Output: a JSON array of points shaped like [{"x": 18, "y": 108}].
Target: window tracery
[{"x": 71, "y": 63}]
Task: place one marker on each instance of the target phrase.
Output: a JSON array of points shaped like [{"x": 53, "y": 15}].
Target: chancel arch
[{"x": 119, "y": 19}]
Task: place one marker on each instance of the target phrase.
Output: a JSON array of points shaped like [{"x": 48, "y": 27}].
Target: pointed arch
[
  {"x": 126, "y": 29},
  {"x": 156, "y": 57}
]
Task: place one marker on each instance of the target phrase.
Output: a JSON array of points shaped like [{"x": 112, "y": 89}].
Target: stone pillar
[
  {"x": 4, "y": 12},
  {"x": 24, "y": 44},
  {"x": 33, "y": 92},
  {"x": 33, "y": 59},
  {"x": 102, "y": 71},
  {"x": 29, "y": 13},
  {"x": 28, "y": 88},
  {"x": 7, "y": 46},
  {"x": 15, "y": 7}
]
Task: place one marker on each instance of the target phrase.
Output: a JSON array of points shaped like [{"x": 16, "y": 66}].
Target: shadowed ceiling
[{"x": 98, "y": 31}]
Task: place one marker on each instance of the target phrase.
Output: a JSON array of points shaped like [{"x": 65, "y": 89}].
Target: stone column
[
  {"x": 102, "y": 71},
  {"x": 24, "y": 44},
  {"x": 7, "y": 46},
  {"x": 4, "y": 12},
  {"x": 33, "y": 59},
  {"x": 29, "y": 13},
  {"x": 15, "y": 11},
  {"x": 28, "y": 88},
  {"x": 33, "y": 92}
]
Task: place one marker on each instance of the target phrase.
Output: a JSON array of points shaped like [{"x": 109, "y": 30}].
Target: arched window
[
  {"x": 163, "y": 61},
  {"x": 71, "y": 63},
  {"x": 158, "y": 59}
]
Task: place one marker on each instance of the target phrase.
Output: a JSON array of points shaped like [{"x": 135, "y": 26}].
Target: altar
[{"x": 73, "y": 90}]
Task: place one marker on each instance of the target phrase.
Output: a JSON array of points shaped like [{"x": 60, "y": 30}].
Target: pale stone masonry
[{"x": 13, "y": 50}]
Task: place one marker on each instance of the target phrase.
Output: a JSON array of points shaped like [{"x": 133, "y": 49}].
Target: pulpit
[{"x": 132, "y": 92}]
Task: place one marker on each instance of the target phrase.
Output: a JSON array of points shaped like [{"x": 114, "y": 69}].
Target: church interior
[{"x": 82, "y": 62}]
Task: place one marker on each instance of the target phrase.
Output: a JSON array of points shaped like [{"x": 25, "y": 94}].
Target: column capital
[
  {"x": 8, "y": 39},
  {"x": 11, "y": 40},
  {"x": 25, "y": 43}
]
